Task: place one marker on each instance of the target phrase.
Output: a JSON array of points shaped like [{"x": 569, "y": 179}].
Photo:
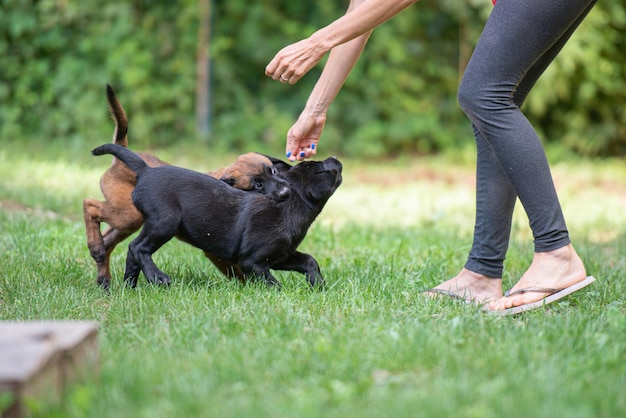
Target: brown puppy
[{"x": 251, "y": 171}]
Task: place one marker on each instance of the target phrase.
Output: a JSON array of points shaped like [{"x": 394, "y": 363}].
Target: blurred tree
[
  {"x": 56, "y": 57},
  {"x": 581, "y": 98},
  {"x": 203, "y": 91}
]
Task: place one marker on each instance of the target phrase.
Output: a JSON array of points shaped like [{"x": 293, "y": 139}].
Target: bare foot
[
  {"x": 556, "y": 269},
  {"x": 471, "y": 286}
]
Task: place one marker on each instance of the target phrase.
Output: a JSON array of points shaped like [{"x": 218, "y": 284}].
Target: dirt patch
[{"x": 12, "y": 206}]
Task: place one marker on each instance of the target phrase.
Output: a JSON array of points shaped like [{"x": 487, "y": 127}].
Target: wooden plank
[{"x": 39, "y": 358}]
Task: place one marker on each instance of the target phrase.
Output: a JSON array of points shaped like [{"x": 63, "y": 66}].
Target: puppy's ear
[
  {"x": 231, "y": 181},
  {"x": 279, "y": 165}
]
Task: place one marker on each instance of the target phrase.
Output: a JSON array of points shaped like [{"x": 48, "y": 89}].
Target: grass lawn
[{"x": 370, "y": 345}]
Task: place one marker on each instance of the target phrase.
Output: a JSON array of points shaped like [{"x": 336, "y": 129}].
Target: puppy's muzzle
[
  {"x": 334, "y": 165},
  {"x": 283, "y": 194}
]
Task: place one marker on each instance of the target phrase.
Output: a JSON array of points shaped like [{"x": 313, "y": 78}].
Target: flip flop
[
  {"x": 552, "y": 295},
  {"x": 454, "y": 296},
  {"x": 446, "y": 293}
]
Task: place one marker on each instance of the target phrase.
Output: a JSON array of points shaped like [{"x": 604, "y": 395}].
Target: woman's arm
[
  {"x": 295, "y": 60},
  {"x": 345, "y": 38},
  {"x": 304, "y": 135}
]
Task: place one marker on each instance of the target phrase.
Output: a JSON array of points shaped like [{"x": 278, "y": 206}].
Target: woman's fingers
[{"x": 293, "y": 61}]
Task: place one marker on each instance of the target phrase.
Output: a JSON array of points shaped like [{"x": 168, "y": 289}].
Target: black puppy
[{"x": 249, "y": 229}]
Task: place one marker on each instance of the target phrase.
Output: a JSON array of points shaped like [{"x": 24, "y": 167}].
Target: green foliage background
[{"x": 57, "y": 55}]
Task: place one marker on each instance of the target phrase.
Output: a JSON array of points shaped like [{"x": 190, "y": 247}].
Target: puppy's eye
[
  {"x": 274, "y": 171},
  {"x": 258, "y": 186}
]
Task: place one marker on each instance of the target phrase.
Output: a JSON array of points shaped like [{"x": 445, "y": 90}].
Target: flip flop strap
[
  {"x": 547, "y": 290},
  {"x": 444, "y": 292}
]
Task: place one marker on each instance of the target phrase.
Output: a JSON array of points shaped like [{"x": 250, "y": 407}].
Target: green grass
[{"x": 370, "y": 345}]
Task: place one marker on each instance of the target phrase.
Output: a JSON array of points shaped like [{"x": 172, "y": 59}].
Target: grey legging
[{"x": 520, "y": 39}]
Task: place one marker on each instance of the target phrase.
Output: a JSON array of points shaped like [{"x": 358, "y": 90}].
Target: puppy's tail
[
  {"x": 120, "y": 135},
  {"x": 132, "y": 160}
]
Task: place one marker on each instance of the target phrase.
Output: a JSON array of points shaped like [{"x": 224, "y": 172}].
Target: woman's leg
[
  {"x": 495, "y": 195},
  {"x": 495, "y": 201},
  {"x": 518, "y": 43}
]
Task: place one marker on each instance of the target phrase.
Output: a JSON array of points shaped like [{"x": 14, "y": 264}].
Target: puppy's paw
[
  {"x": 104, "y": 282},
  {"x": 160, "y": 279},
  {"x": 131, "y": 281},
  {"x": 273, "y": 283},
  {"x": 315, "y": 278},
  {"x": 319, "y": 284}
]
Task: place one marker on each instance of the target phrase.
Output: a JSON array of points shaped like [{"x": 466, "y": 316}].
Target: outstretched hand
[
  {"x": 304, "y": 136},
  {"x": 293, "y": 61},
  {"x": 288, "y": 66}
]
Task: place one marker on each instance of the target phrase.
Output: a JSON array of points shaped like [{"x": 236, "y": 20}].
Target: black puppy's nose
[
  {"x": 333, "y": 163},
  {"x": 283, "y": 193}
]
